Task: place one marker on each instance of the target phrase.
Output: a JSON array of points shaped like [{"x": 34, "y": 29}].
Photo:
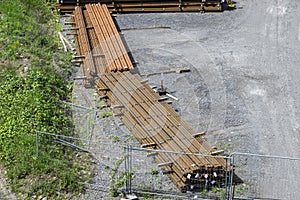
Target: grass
[{"x": 31, "y": 85}]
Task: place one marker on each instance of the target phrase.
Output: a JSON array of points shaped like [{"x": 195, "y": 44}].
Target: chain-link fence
[{"x": 120, "y": 166}]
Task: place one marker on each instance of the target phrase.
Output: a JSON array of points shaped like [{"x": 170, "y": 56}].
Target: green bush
[{"x": 29, "y": 102}]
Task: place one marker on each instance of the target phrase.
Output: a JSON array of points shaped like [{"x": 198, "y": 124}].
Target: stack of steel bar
[
  {"x": 125, "y": 6},
  {"x": 98, "y": 42},
  {"x": 157, "y": 126}
]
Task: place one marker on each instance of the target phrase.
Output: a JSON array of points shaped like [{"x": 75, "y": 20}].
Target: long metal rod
[
  {"x": 231, "y": 179},
  {"x": 63, "y": 136},
  {"x": 126, "y": 169},
  {"x": 78, "y": 106},
  {"x": 130, "y": 179},
  {"x": 70, "y": 144},
  {"x": 226, "y": 181},
  {"x": 92, "y": 128},
  {"x": 37, "y": 143},
  {"x": 266, "y": 156}
]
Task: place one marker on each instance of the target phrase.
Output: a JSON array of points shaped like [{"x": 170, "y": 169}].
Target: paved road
[{"x": 245, "y": 88}]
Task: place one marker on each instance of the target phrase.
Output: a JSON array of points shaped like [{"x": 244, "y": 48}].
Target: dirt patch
[{"x": 5, "y": 190}]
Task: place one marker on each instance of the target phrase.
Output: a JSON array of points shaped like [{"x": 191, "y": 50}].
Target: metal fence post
[
  {"x": 230, "y": 197},
  {"x": 37, "y": 142}
]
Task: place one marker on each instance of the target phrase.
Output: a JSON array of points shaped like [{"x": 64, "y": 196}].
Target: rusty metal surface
[
  {"x": 157, "y": 126},
  {"x": 98, "y": 43},
  {"x": 125, "y": 6},
  {"x": 151, "y": 120}
]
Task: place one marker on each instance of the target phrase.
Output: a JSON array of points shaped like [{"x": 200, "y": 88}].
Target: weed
[
  {"x": 215, "y": 189},
  {"x": 116, "y": 139},
  {"x": 154, "y": 171},
  {"x": 113, "y": 193}
]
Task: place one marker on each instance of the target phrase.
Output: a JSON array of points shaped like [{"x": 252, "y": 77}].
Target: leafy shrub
[{"x": 30, "y": 102}]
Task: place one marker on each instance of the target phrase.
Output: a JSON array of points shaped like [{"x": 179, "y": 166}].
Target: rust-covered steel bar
[
  {"x": 98, "y": 43},
  {"x": 157, "y": 126},
  {"x": 132, "y": 6}
]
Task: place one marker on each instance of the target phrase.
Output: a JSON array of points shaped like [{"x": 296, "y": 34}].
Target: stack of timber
[
  {"x": 132, "y": 6},
  {"x": 157, "y": 126},
  {"x": 99, "y": 46}
]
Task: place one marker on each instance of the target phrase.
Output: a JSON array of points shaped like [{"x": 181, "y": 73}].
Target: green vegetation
[
  {"x": 242, "y": 189},
  {"x": 106, "y": 113},
  {"x": 116, "y": 139},
  {"x": 154, "y": 171},
  {"x": 215, "y": 189},
  {"x": 118, "y": 180},
  {"x": 32, "y": 82},
  {"x": 148, "y": 196}
]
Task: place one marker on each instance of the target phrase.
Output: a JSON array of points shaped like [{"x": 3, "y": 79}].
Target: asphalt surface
[{"x": 243, "y": 88}]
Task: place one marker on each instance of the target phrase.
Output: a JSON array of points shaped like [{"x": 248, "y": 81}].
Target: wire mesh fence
[
  {"x": 266, "y": 176},
  {"x": 150, "y": 178},
  {"x": 120, "y": 166}
]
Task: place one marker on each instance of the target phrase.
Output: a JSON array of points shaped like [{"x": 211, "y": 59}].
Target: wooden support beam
[
  {"x": 75, "y": 34},
  {"x": 168, "y": 171},
  {"x": 152, "y": 154},
  {"x": 144, "y": 81},
  {"x": 103, "y": 97},
  {"x": 102, "y": 89},
  {"x": 163, "y": 98},
  {"x": 165, "y": 164},
  {"x": 70, "y": 23},
  {"x": 198, "y": 134},
  {"x": 76, "y": 61},
  {"x": 79, "y": 77},
  {"x": 70, "y": 29},
  {"x": 119, "y": 114},
  {"x": 117, "y": 106},
  {"x": 148, "y": 145},
  {"x": 217, "y": 152},
  {"x": 78, "y": 57}
]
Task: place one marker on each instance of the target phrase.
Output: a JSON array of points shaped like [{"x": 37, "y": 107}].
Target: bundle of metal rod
[
  {"x": 98, "y": 43},
  {"x": 131, "y": 6},
  {"x": 157, "y": 126}
]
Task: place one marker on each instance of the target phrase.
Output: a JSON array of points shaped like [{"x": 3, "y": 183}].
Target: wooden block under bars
[
  {"x": 165, "y": 164},
  {"x": 103, "y": 97},
  {"x": 148, "y": 145},
  {"x": 102, "y": 89},
  {"x": 78, "y": 57},
  {"x": 152, "y": 154},
  {"x": 144, "y": 81},
  {"x": 217, "y": 152},
  {"x": 76, "y": 61},
  {"x": 119, "y": 114},
  {"x": 163, "y": 99},
  {"x": 168, "y": 172},
  {"x": 117, "y": 106},
  {"x": 198, "y": 134}
]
